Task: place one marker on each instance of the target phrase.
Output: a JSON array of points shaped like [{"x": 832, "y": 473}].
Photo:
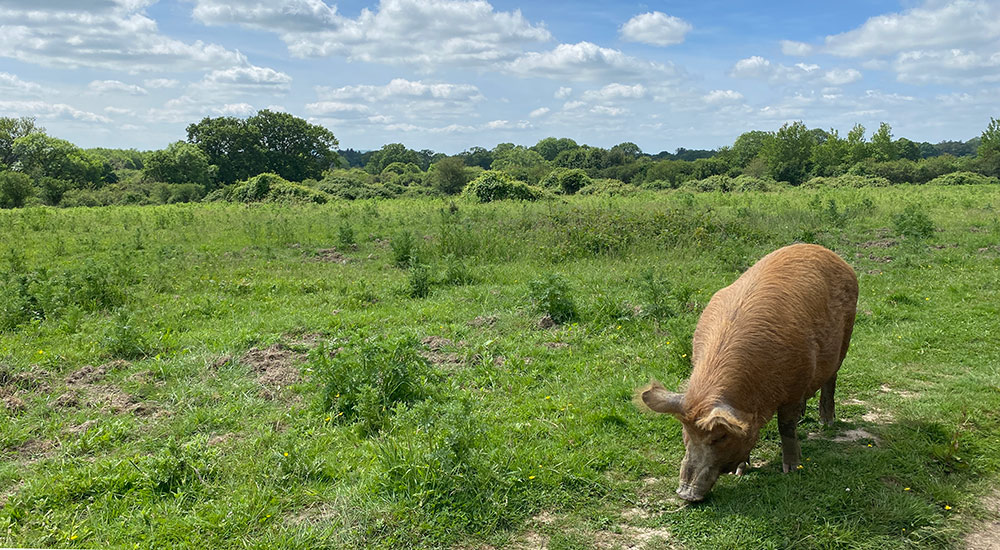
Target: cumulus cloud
[
  {"x": 656, "y": 28},
  {"x": 563, "y": 92},
  {"x": 115, "y": 86},
  {"x": 45, "y": 110},
  {"x": 160, "y": 83},
  {"x": 423, "y": 32},
  {"x": 586, "y": 61},
  {"x": 935, "y": 25},
  {"x": 247, "y": 78},
  {"x": 401, "y": 101},
  {"x": 100, "y": 34},
  {"x": 616, "y": 91},
  {"x": 10, "y": 83},
  {"x": 948, "y": 66},
  {"x": 799, "y": 49},
  {"x": 761, "y": 68},
  {"x": 402, "y": 88},
  {"x": 722, "y": 96},
  {"x": 541, "y": 111}
]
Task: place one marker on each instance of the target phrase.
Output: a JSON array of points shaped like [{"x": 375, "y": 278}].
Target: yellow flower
[
  {"x": 548, "y": 397},
  {"x": 906, "y": 488},
  {"x": 869, "y": 444},
  {"x": 531, "y": 477},
  {"x": 286, "y": 454},
  {"x": 799, "y": 467},
  {"x": 946, "y": 507},
  {"x": 73, "y": 537},
  {"x": 328, "y": 419},
  {"x": 927, "y": 299}
]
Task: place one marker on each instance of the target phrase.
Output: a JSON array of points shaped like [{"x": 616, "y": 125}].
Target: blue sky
[{"x": 451, "y": 74}]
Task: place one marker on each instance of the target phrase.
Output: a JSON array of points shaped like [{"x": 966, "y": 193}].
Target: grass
[{"x": 249, "y": 389}]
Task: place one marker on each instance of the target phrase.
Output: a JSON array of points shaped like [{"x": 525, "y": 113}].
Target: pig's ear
[
  {"x": 723, "y": 415},
  {"x": 657, "y": 399}
]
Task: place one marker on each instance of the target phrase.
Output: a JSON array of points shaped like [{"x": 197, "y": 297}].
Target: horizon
[{"x": 447, "y": 75}]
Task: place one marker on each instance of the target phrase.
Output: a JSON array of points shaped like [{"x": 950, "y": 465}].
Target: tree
[
  {"x": 550, "y": 147},
  {"x": 789, "y": 154},
  {"x": 10, "y": 129},
  {"x": 180, "y": 162},
  {"x": 907, "y": 149},
  {"x": 988, "y": 153},
  {"x": 883, "y": 149},
  {"x": 293, "y": 148},
  {"x": 747, "y": 147},
  {"x": 477, "y": 156},
  {"x": 44, "y": 156},
  {"x": 15, "y": 188},
  {"x": 390, "y": 153},
  {"x": 522, "y": 163},
  {"x": 230, "y": 144},
  {"x": 828, "y": 157},
  {"x": 449, "y": 175},
  {"x": 857, "y": 148}
]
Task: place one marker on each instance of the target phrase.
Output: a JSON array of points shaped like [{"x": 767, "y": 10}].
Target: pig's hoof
[
  {"x": 742, "y": 468},
  {"x": 786, "y": 467}
]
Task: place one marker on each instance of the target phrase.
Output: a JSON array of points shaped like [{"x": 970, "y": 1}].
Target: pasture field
[{"x": 381, "y": 374}]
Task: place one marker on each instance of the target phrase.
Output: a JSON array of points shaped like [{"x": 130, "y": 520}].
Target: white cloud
[
  {"x": 247, "y": 78},
  {"x": 45, "y": 110},
  {"x": 10, "y": 83},
  {"x": 336, "y": 108},
  {"x": 723, "y": 96},
  {"x": 761, "y": 68},
  {"x": 605, "y": 110},
  {"x": 799, "y": 49},
  {"x": 236, "y": 109},
  {"x": 115, "y": 86},
  {"x": 401, "y": 88},
  {"x": 959, "y": 23},
  {"x": 616, "y": 91},
  {"x": 586, "y": 61},
  {"x": 947, "y": 67},
  {"x": 160, "y": 83},
  {"x": 839, "y": 77},
  {"x": 656, "y": 28},
  {"x": 538, "y": 112},
  {"x": 563, "y": 92},
  {"x": 422, "y": 32},
  {"x": 100, "y": 34}
]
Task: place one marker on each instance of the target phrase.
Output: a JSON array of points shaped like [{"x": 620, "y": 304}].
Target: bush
[
  {"x": 717, "y": 182},
  {"x": 294, "y": 192},
  {"x": 913, "y": 223},
  {"x": 746, "y": 183},
  {"x": 369, "y": 378},
  {"x": 609, "y": 188},
  {"x": 185, "y": 192},
  {"x": 551, "y": 296},
  {"x": 404, "y": 249},
  {"x": 356, "y": 184},
  {"x": 494, "y": 185},
  {"x": 895, "y": 171},
  {"x": 964, "y": 178},
  {"x": 566, "y": 180},
  {"x": 274, "y": 188},
  {"x": 420, "y": 280},
  {"x": 847, "y": 180},
  {"x": 15, "y": 188}
]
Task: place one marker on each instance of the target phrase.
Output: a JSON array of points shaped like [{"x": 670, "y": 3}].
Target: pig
[{"x": 764, "y": 344}]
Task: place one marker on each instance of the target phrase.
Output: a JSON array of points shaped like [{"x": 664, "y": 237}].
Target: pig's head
[{"x": 717, "y": 438}]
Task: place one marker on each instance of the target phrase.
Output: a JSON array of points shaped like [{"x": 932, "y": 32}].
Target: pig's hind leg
[{"x": 826, "y": 412}]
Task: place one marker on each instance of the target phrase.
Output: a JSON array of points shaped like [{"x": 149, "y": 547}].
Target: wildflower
[
  {"x": 927, "y": 299},
  {"x": 799, "y": 467},
  {"x": 548, "y": 397},
  {"x": 869, "y": 444},
  {"x": 946, "y": 507},
  {"x": 73, "y": 537},
  {"x": 906, "y": 488},
  {"x": 286, "y": 454},
  {"x": 531, "y": 477},
  {"x": 328, "y": 419},
  {"x": 684, "y": 355}
]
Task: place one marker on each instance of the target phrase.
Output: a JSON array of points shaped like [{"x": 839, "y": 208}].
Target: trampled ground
[{"x": 230, "y": 376}]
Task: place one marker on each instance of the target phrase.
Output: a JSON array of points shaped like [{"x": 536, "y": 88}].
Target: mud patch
[{"x": 986, "y": 534}]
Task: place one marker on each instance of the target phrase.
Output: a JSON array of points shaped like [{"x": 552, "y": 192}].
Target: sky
[{"x": 448, "y": 75}]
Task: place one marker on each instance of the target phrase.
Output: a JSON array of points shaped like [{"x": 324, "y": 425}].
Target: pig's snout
[{"x": 690, "y": 493}]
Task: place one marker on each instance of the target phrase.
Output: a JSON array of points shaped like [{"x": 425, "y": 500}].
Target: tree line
[{"x": 221, "y": 154}]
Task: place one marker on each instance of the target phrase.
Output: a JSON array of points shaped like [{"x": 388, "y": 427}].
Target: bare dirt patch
[
  {"x": 856, "y": 434},
  {"x": 877, "y": 416},
  {"x": 629, "y": 537},
  {"x": 320, "y": 513},
  {"x": 34, "y": 450},
  {"x": 986, "y": 534},
  {"x": 545, "y": 322},
  {"x": 89, "y": 374},
  {"x": 14, "y": 404},
  {"x": 555, "y": 345},
  {"x": 874, "y": 257},
  {"x": 112, "y": 400},
  {"x": 902, "y": 393},
  {"x": 436, "y": 355},
  {"x": 330, "y": 255},
  {"x": 880, "y": 243},
  {"x": 81, "y": 428},
  {"x": 483, "y": 321},
  {"x": 275, "y": 367}
]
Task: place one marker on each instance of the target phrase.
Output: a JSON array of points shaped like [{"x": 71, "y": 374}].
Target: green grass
[{"x": 266, "y": 393}]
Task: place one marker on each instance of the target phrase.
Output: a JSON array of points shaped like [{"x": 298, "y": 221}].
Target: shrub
[
  {"x": 964, "y": 178},
  {"x": 15, "y": 188},
  {"x": 294, "y": 192},
  {"x": 551, "y": 296},
  {"x": 369, "y": 378},
  {"x": 256, "y": 188},
  {"x": 495, "y": 185},
  {"x": 274, "y": 188},
  {"x": 420, "y": 280},
  {"x": 913, "y": 223},
  {"x": 609, "y": 188},
  {"x": 185, "y": 192},
  {"x": 719, "y": 182},
  {"x": 746, "y": 183},
  {"x": 345, "y": 235},
  {"x": 847, "y": 180},
  {"x": 566, "y": 180},
  {"x": 656, "y": 295},
  {"x": 404, "y": 249}
]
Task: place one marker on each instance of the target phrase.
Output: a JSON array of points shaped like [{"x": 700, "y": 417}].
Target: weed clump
[
  {"x": 913, "y": 223},
  {"x": 404, "y": 249},
  {"x": 366, "y": 382},
  {"x": 495, "y": 185},
  {"x": 551, "y": 296},
  {"x": 420, "y": 280}
]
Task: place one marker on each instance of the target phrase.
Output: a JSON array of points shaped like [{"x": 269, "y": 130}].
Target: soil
[
  {"x": 275, "y": 366},
  {"x": 986, "y": 534}
]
